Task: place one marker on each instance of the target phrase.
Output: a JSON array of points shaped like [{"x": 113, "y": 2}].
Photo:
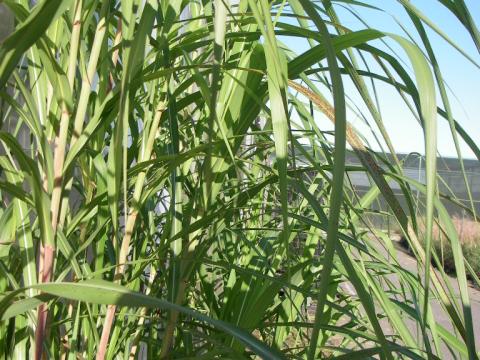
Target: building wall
[{"x": 6, "y": 22}]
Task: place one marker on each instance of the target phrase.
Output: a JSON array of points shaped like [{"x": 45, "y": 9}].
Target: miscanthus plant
[{"x": 168, "y": 191}]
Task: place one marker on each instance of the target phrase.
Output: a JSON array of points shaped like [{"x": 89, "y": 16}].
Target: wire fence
[{"x": 461, "y": 191}]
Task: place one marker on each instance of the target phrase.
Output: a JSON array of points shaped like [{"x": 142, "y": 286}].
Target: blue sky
[{"x": 462, "y": 77}]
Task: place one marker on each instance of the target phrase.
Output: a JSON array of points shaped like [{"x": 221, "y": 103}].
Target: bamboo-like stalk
[
  {"x": 141, "y": 320},
  {"x": 221, "y": 7},
  {"x": 129, "y": 228},
  {"x": 60, "y": 144},
  {"x": 87, "y": 82}
]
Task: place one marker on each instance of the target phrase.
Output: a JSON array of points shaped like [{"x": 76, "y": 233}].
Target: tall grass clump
[
  {"x": 168, "y": 192},
  {"x": 469, "y": 238}
]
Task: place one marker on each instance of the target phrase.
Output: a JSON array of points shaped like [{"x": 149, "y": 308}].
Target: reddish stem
[
  {"x": 107, "y": 327},
  {"x": 45, "y": 275}
]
